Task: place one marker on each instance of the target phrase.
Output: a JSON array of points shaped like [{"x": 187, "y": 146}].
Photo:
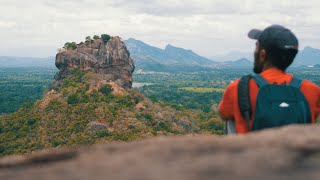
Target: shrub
[
  {"x": 162, "y": 126},
  {"x": 73, "y": 99},
  {"x": 31, "y": 122},
  {"x": 106, "y": 89},
  {"x": 88, "y": 38},
  {"x": 57, "y": 142},
  {"x": 96, "y": 37},
  {"x": 70, "y": 45},
  {"x": 215, "y": 126},
  {"x": 103, "y": 134},
  {"x": 148, "y": 116},
  {"x": 105, "y": 38},
  {"x": 77, "y": 73},
  {"x": 124, "y": 136},
  {"x": 54, "y": 105}
]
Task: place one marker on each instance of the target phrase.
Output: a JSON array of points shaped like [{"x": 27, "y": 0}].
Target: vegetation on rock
[
  {"x": 105, "y": 38},
  {"x": 70, "y": 45},
  {"x": 79, "y": 114},
  {"x": 88, "y": 38},
  {"x": 96, "y": 37},
  {"x": 106, "y": 89}
]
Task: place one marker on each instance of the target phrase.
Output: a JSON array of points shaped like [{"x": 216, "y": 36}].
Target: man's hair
[{"x": 281, "y": 58}]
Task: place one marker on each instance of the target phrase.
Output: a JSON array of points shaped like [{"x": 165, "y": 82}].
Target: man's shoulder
[
  {"x": 233, "y": 84},
  {"x": 310, "y": 85}
]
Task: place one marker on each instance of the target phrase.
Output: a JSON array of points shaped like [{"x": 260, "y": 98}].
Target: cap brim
[{"x": 254, "y": 34}]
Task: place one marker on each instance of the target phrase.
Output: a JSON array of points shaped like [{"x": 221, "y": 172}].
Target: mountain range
[
  {"x": 148, "y": 57},
  {"x": 308, "y": 56},
  {"x": 11, "y": 61},
  {"x": 170, "y": 58},
  {"x": 153, "y": 58}
]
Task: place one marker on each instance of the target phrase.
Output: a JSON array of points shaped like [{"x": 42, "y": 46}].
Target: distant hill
[
  {"x": 232, "y": 55},
  {"x": 173, "y": 58},
  {"x": 170, "y": 58},
  {"x": 150, "y": 57},
  {"x": 308, "y": 56},
  {"x": 6, "y": 61},
  {"x": 240, "y": 63}
]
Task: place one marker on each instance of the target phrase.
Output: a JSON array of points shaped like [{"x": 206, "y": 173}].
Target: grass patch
[{"x": 202, "y": 90}]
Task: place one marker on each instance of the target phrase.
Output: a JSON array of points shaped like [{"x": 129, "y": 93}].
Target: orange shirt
[{"x": 229, "y": 108}]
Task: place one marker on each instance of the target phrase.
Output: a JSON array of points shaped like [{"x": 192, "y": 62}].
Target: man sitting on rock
[{"x": 272, "y": 97}]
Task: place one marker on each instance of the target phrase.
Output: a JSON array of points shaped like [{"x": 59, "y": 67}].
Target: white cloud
[{"x": 208, "y": 27}]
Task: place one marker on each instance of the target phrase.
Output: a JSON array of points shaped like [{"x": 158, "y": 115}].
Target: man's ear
[{"x": 262, "y": 55}]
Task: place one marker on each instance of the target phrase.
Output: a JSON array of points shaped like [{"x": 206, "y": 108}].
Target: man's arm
[
  {"x": 226, "y": 110},
  {"x": 230, "y": 127}
]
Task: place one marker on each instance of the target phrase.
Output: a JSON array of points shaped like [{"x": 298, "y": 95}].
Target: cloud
[{"x": 208, "y": 27}]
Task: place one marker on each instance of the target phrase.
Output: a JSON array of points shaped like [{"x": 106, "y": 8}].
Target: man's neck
[{"x": 269, "y": 66}]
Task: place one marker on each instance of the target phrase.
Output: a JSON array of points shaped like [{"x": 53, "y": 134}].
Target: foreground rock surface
[{"x": 287, "y": 153}]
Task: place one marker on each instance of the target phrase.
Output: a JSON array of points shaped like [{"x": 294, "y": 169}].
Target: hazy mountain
[
  {"x": 240, "y": 63},
  {"x": 146, "y": 56},
  {"x": 232, "y": 55},
  {"x": 308, "y": 56},
  {"x": 176, "y": 59},
  {"x": 180, "y": 55},
  {"x": 6, "y": 61},
  {"x": 243, "y": 62}
]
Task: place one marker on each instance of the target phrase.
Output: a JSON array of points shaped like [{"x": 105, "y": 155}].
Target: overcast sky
[{"x": 208, "y": 27}]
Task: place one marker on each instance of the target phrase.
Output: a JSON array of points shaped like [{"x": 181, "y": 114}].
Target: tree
[
  {"x": 88, "y": 38},
  {"x": 70, "y": 45},
  {"x": 96, "y": 37},
  {"x": 105, "y": 38},
  {"x": 73, "y": 99},
  {"x": 106, "y": 89}
]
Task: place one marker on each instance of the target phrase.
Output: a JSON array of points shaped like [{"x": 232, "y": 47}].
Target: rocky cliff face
[
  {"x": 287, "y": 153},
  {"x": 110, "y": 60}
]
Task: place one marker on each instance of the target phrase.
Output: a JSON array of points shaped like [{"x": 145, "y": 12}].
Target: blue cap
[{"x": 275, "y": 37}]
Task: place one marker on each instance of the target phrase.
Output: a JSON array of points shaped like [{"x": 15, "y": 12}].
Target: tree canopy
[
  {"x": 70, "y": 45},
  {"x": 105, "y": 37},
  {"x": 96, "y": 37}
]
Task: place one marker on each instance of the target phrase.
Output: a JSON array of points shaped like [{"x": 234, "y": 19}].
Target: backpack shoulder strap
[
  {"x": 296, "y": 82},
  {"x": 244, "y": 98},
  {"x": 259, "y": 80}
]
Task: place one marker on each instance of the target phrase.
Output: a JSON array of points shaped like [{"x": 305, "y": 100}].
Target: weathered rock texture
[
  {"x": 286, "y": 153},
  {"x": 111, "y": 60}
]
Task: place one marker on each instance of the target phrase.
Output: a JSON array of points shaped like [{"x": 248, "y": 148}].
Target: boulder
[
  {"x": 112, "y": 60},
  {"x": 95, "y": 126}
]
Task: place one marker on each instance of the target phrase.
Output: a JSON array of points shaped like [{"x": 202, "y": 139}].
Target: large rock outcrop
[
  {"x": 288, "y": 153},
  {"x": 110, "y": 60}
]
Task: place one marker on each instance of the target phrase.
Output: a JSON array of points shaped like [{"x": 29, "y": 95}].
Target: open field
[{"x": 202, "y": 90}]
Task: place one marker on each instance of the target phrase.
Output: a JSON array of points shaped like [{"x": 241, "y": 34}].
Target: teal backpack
[{"x": 276, "y": 105}]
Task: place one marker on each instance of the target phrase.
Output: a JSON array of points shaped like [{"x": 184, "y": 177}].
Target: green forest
[
  {"x": 86, "y": 116},
  {"x": 24, "y": 85},
  {"x": 176, "y": 103}
]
